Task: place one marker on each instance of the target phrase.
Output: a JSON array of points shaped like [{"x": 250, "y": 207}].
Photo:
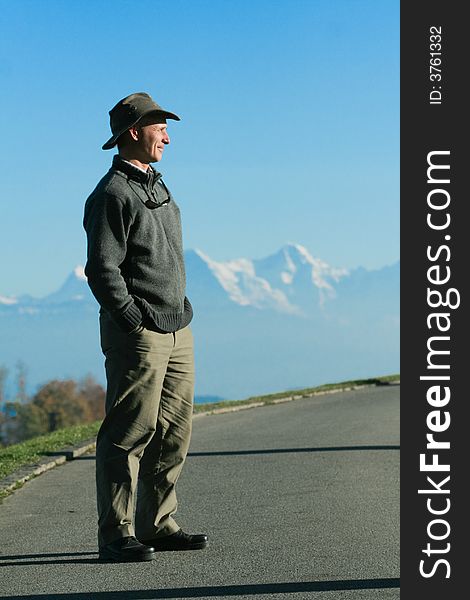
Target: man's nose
[{"x": 166, "y": 138}]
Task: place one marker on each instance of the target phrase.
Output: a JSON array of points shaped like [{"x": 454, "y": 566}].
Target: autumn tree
[
  {"x": 94, "y": 395},
  {"x": 57, "y": 404}
]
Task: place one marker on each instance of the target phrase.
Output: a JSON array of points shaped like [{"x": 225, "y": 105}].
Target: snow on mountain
[
  {"x": 290, "y": 281},
  {"x": 239, "y": 280},
  {"x": 8, "y": 300},
  {"x": 74, "y": 289},
  {"x": 303, "y": 278},
  {"x": 79, "y": 272}
]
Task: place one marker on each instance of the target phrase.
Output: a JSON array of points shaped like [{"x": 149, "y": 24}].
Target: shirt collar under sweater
[{"x": 134, "y": 172}]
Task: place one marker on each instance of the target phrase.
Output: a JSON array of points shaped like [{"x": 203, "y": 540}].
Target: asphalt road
[{"x": 300, "y": 500}]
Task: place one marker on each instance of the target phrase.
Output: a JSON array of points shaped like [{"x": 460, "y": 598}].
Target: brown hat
[{"x": 128, "y": 111}]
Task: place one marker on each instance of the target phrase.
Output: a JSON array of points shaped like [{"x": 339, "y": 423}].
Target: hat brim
[{"x": 162, "y": 113}]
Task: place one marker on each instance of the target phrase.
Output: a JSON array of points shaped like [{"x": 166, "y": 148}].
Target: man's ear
[{"x": 134, "y": 133}]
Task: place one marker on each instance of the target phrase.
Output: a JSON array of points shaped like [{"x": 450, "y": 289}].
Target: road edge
[{"x": 17, "y": 479}]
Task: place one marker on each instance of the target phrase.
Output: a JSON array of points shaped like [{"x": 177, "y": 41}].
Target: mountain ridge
[
  {"x": 286, "y": 321},
  {"x": 286, "y": 281}
]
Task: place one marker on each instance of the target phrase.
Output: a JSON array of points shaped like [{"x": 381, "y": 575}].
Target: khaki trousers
[{"x": 144, "y": 438}]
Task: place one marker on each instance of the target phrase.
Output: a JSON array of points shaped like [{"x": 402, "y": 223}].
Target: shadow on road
[
  {"x": 279, "y": 451},
  {"x": 293, "y": 450},
  {"x": 225, "y": 590},
  {"x": 52, "y": 558}
]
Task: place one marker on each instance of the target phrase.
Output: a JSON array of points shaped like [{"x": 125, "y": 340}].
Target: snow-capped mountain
[
  {"x": 242, "y": 285},
  {"x": 74, "y": 289},
  {"x": 8, "y": 301},
  {"x": 287, "y": 320},
  {"x": 302, "y": 278},
  {"x": 290, "y": 281}
]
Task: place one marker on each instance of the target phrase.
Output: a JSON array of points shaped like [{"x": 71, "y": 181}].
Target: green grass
[
  {"x": 16, "y": 456},
  {"x": 303, "y": 393}
]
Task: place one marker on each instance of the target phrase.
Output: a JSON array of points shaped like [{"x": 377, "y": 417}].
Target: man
[{"x": 135, "y": 269}]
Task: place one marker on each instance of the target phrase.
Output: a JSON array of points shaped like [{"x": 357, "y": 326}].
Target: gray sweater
[{"x": 135, "y": 264}]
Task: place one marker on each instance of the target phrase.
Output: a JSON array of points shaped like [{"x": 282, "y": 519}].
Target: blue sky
[{"x": 289, "y": 130}]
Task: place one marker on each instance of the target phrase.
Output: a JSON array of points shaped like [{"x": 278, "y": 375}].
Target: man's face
[{"x": 152, "y": 138}]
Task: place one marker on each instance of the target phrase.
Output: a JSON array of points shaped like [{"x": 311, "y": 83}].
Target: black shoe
[
  {"x": 126, "y": 549},
  {"x": 179, "y": 541}
]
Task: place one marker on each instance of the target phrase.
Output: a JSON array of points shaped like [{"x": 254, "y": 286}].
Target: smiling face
[
  {"x": 144, "y": 142},
  {"x": 152, "y": 138}
]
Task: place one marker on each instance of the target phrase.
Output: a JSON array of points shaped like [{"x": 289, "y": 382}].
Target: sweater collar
[{"x": 133, "y": 172}]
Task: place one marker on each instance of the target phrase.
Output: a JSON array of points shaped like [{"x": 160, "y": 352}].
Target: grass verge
[
  {"x": 302, "y": 393},
  {"x": 16, "y": 456}
]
